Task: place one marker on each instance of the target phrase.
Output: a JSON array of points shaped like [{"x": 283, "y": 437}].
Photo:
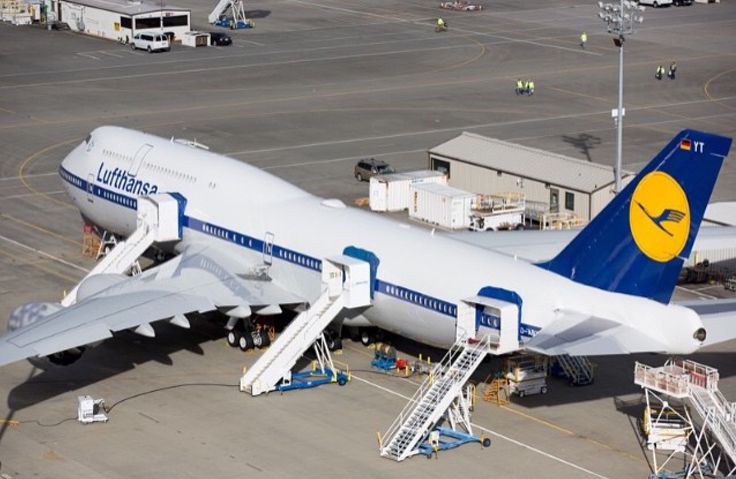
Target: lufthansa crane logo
[{"x": 659, "y": 216}]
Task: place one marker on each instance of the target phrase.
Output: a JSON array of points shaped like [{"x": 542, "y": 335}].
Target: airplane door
[
  {"x": 268, "y": 249},
  {"x": 91, "y": 187},
  {"x": 138, "y": 159}
]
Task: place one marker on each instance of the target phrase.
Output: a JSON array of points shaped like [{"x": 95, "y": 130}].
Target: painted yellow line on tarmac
[
  {"x": 40, "y": 228},
  {"x": 34, "y": 157},
  {"x": 39, "y": 267}
]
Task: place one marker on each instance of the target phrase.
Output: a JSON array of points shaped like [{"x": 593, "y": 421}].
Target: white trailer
[
  {"x": 391, "y": 192},
  {"x": 440, "y": 205}
]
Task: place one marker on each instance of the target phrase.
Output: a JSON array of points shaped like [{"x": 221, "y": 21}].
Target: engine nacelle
[{"x": 28, "y": 314}]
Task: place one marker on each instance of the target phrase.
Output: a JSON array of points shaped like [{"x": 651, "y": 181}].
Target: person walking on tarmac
[
  {"x": 530, "y": 88},
  {"x": 583, "y": 40},
  {"x": 519, "y": 87},
  {"x": 672, "y": 70},
  {"x": 441, "y": 25},
  {"x": 659, "y": 73}
]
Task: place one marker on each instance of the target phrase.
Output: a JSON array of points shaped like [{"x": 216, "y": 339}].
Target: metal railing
[{"x": 438, "y": 373}]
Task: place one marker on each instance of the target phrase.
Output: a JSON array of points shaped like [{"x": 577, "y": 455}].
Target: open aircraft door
[{"x": 495, "y": 313}]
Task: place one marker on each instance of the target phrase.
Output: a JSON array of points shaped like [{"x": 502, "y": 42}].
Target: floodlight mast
[{"x": 620, "y": 19}]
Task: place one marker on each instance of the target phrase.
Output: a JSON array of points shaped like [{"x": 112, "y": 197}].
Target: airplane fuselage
[{"x": 422, "y": 276}]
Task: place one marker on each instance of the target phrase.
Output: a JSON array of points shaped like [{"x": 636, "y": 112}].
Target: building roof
[
  {"x": 135, "y": 7},
  {"x": 527, "y": 162},
  {"x": 443, "y": 190},
  {"x": 407, "y": 176}
]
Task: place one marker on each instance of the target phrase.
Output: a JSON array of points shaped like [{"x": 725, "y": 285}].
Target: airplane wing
[
  {"x": 537, "y": 246},
  {"x": 580, "y": 334},
  {"x": 200, "y": 279}
]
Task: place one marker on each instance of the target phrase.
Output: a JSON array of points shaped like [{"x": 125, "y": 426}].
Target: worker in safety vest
[
  {"x": 659, "y": 73},
  {"x": 672, "y": 70},
  {"x": 441, "y": 25},
  {"x": 583, "y": 40},
  {"x": 530, "y": 88},
  {"x": 519, "y": 87},
  {"x": 434, "y": 441}
]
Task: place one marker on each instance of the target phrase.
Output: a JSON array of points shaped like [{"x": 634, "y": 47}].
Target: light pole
[{"x": 620, "y": 19}]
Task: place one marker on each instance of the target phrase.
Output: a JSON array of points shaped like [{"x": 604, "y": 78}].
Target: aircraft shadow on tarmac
[
  {"x": 614, "y": 374},
  {"x": 122, "y": 353},
  {"x": 257, "y": 13},
  {"x": 583, "y": 143}
]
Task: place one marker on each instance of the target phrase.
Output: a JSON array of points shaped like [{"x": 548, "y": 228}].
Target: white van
[
  {"x": 656, "y": 3},
  {"x": 151, "y": 42}
]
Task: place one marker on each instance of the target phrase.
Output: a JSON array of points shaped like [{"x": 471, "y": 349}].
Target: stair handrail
[
  {"x": 267, "y": 358},
  {"x": 455, "y": 350}
]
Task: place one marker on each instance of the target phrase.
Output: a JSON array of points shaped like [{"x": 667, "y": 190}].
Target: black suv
[
  {"x": 367, "y": 168},
  {"x": 220, "y": 39}
]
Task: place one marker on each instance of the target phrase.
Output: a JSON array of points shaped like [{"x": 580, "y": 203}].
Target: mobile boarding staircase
[
  {"x": 345, "y": 284},
  {"x": 712, "y": 446},
  {"x": 437, "y": 417},
  {"x": 237, "y": 11},
  {"x": 159, "y": 220},
  {"x": 578, "y": 369}
]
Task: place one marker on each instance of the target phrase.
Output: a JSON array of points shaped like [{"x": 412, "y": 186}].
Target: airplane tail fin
[{"x": 638, "y": 243}]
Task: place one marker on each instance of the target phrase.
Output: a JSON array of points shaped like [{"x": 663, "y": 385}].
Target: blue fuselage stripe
[{"x": 401, "y": 293}]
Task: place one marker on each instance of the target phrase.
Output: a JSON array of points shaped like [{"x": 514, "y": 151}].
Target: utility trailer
[{"x": 498, "y": 212}]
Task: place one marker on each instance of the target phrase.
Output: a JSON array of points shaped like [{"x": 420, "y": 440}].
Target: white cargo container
[
  {"x": 391, "y": 192},
  {"x": 440, "y": 205}
]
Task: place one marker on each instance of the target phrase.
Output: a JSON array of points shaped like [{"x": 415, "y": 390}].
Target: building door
[{"x": 554, "y": 200}]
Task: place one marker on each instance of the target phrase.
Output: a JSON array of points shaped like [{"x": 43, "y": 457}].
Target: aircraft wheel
[
  {"x": 245, "y": 342},
  {"x": 257, "y": 339},
  {"x": 366, "y": 338},
  {"x": 233, "y": 338},
  {"x": 334, "y": 343},
  {"x": 265, "y": 339}
]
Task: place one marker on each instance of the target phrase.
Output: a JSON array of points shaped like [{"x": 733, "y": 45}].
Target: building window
[
  {"x": 176, "y": 21},
  {"x": 441, "y": 165},
  {"x": 141, "y": 23},
  {"x": 570, "y": 201},
  {"x": 126, "y": 22}
]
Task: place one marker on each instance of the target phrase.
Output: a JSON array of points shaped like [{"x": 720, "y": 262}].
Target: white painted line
[
  {"x": 346, "y": 158},
  {"x": 37, "y": 175},
  {"x": 489, "y": 125},
  {"x": 26, "y": 195},
  {"x": 454, "y": 29},
  {"x": 43, "y": 253},
  {"x": 494, "y": 433},
  {"x": 696, "y": 292},
  {"x": 251, "y": 42},
  {"x": 87, "y": 55},
  {"x": 110, "y": 54},
  {"x": 414, "y": 133}
]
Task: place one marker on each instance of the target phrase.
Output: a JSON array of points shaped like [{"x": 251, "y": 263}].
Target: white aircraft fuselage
[{"x": 421, "y": 279}]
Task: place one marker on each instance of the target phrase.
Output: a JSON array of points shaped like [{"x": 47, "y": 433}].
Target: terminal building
[
  {"x": 551, "y": 183},
  {"x": 120, "y": 20}
]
